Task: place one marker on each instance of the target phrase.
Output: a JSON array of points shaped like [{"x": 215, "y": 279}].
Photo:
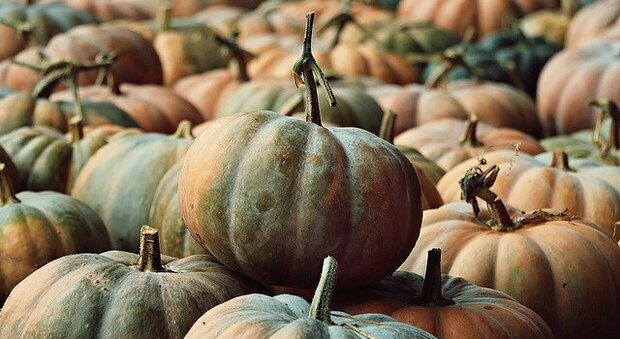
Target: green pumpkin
[
  {"x": 120, "y": 295},
  {"x": 417, "y": 39},
  {"x": 121, "y": 180},
  {"x": 36, "y": 228}
]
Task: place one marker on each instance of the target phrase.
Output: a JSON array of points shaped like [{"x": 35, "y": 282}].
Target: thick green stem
[
  {"x": 432, "y": 289},
  {"x": 388, "y": 125},
  {"x": 304, "y": 70},
  {"x": 321, "y": 302},
  {"x": 150, "y": 254},
  {"x": 7, "y": 194},
  {"x": 164, "y": 14},
  {"x": 469, "y": 137},
  {"x": 560, "y": 161},
  {"x": 184, "y": 130}
]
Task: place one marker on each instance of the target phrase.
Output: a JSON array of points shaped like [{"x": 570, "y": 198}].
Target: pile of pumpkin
[{"x": 161, "y": 174}]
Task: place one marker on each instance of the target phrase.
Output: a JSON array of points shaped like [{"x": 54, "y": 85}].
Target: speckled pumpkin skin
[
  {"x": 286, "y": 316},
  {"x": 106, "y": 296},
  {"x": 478, "y": 312},
  {"x": 120, "y": 181},
  {"x": 165, "y": 215},
  {"x": 271, "y": 196},
  {"x": 564, "y": 270},
  {"x": 42, "y": 227}
]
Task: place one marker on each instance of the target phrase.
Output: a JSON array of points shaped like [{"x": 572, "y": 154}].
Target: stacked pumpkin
[{"x": 214, "y": 182}]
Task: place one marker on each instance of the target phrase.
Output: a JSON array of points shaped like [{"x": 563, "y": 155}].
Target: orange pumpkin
[{"x": 595, "y": 22}]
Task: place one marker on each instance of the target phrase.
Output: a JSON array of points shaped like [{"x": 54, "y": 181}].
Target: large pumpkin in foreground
[{"x": 271, "y": 196}]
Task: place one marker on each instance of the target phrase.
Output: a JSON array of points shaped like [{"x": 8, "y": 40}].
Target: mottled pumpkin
[
  {"x": 36, "y": 228},
  {"x": 47, "y": 159},
  {"x": 120, "y": 295},
  {"x": 120, "y": 181},
  {"x": 165, "y": 215},
  {"x": 562, "y": 267},
  {"x": 449, "y": 142},
  {"x": 290, "y": 316},
  {"x": 445, "y": 306}
]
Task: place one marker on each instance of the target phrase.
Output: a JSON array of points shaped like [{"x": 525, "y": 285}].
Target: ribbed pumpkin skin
[
  {"x": 566, "y": 271},
  {"x": 496, "y": 104},
  {"x": 439, "y": 141},
  {"x": 49, "y": 20},
  {"x": 120, "y": 181},
  {"x": 286, "y": 316},
  {"x": 593, "y": 23},
  {"x": 430, "y": 169},
  {"x": 165, "y": 215},
  {"x": 45, "y": 159},
  {"x": 109, "y": 10},
  {"x": 20, "y": 109},
  {"x": 573, "y": 78},
  {"x": 43, "y": 227},
  {"x": 478, "y": 312},
  {"x": 527, "y": 183},
  {"x": 295, "y": 192},
  {"x": 106, "y": 296}
]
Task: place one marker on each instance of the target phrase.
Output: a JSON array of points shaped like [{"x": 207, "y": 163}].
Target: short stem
[
  {"x": 388, "y": 125},
  {"x": 239, "y": 54},
  {"x": 304, "y": 70},
  {"x": 560, "y": 161},
  {"x": 164, "y": 13},
  {"x": 469, "y": 137},
  {"x": 76, "y": 129},
  {"x": 184, "y": 130},
  {"x": 7, "y": 194},
  {"x": 321, "y": 302},
  {"x": 432, "y": 289},
  {"x": 502, "y": 217},
  {"x": 76, "y": 96},
  {"x": 150, "y": 255}
]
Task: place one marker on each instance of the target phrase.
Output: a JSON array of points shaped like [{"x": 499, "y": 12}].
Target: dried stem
[
  {"x": 432, "y": 289},
  {"x": 320, "y": 307},
  {"x": 150, "y": 254},
  {"x": 7, "y": 194}
]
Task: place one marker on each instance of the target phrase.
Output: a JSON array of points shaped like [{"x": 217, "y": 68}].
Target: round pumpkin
[
  {"x": 120, "y": 181},
  {"x": 560, "y": 266},
  {"x": 165, "y": 215},
  {"x": 530, "y": 183},
  {"x": 449, "y": 142},
  {"x": 593, "y": 23},
  {"x": 445, "y": 306},
  {"x": 47, "y": 159},
  {"x": 120, "y": 294},
  {"x": 290, "y": 316},
  {"x": 36, "y": 228},
  {"x": 292, "y": 190},
  {"x": 573, "y": 78}
]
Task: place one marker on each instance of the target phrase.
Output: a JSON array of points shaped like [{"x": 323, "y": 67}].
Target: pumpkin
[
  {"x": 570, "y": 80},
  {"x": 46, "y": 160},
  {"x": 107, "y": 294},
  {"x": 120, "y": 180},
  {"x": 594, "y": 22},
  {"x": 154, "y": 108},
  {"x": 36, "y": 24},
  {"x": 458, "y": 15},
  {"x": 445, "y": 306},
  {"x": 530, "y": 183},
  {"x": 410, "y": 38},
  {"x": 290, "y": 316},
  {"x": 36, "y": 228},
  {"x": 108, "y": 10},
  {"x": 496, "y": 104},
  {"x": 165, "y": 215},
  {"x": 302, "y": 177},
  {"x": 449, "y": 141},
  {"x": 558, "y": 265},
  {"x": 136, "y": 59}
]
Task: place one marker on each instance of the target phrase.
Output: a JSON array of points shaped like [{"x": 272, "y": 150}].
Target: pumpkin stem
[
  {"x": 608, "y": 109},
  {"x": 568, "y": 7},
  {"x": 560, "y": 161},
  {"x": 340, "y": 21},
  {"x": 164, "y": 15},
  {"x": 240, "y": 55},
  {"x": 7, "y": 194},
  {"x": 469, "y": 137},
  {"x": 388, "y": 125},
  {"x": 452, "y": 58},
  {"x": 502, "y": 217},
  {"x": 304, "y": 70},
  {"x": 321, "y": 302},
  {"x": 184, "y": 130},
  {"x": 76, "y": 129},
  {"x": 24, "y": 29},
  {"x": 476, "y": 183},
  {"x": 432, "y": 289},
  {"x": 150, "y": 255}
]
